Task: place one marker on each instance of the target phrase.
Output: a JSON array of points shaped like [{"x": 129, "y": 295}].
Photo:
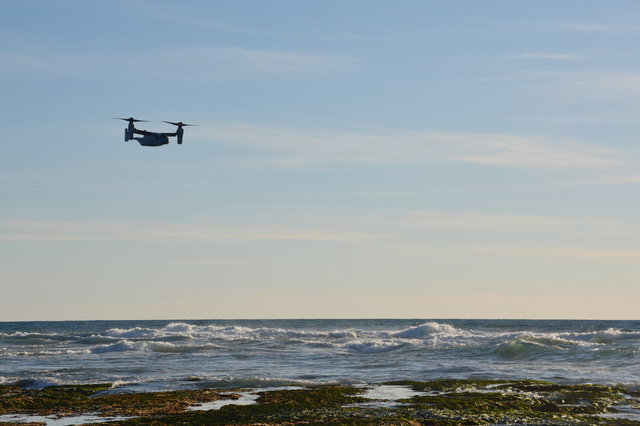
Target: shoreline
[{"x": 438, "y": 402}]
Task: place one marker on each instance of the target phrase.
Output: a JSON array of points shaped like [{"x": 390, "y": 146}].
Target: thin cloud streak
[
  {"x": 614, "y": 180},
  {"x": 558, "y": 252},
  {"x": 413, "y": 222},
  {"x": 551, "y": 251},
  {"x": 218, "y": 263},
  {"x": 298, "y": 147},
  {"x": 593, "y": 27},
  {"x": 28, "y": 230},
  {"x": 550, "y": 56},
  {"x": 602, "y": 86},
  {"x": 362, "y": 227},
  {"x": 194, "y": 62},
  {"x": 269, "y": 61}
]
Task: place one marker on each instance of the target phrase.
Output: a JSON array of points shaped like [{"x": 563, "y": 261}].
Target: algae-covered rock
[
  {"x": 439, "y": 402},
  {"x": 61, "y": 399},
  {"x": 318, "y": 396},
  {"x": 78, "y": 399}
]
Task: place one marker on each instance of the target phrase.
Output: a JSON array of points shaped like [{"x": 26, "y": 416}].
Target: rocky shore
[{"x": 440, "y": 402}]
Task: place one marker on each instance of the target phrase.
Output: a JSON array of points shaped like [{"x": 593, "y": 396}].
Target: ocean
[{"x": 141, "y": 356}]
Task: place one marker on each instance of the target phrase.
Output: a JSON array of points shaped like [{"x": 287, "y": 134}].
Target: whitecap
[
  {"x": 373, "y": 346},
  {"x": 427, "y": 330},
  {"x": 132, "y": 333},
  {"x": 29, "y": 338},
  {"x": 171, "y": 348},
  {"x": 121, "y": 346},
  {"x": 153, "y": 346},
  {"x": 612, "y": 335}
]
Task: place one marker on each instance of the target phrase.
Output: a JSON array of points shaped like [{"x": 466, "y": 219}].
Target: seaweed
[
  {"x": 79, "y": 399},
  {"x": 438, "y": 402}
]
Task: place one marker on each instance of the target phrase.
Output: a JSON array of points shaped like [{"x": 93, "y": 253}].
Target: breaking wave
[
  {"x": 25, "y": 338},
  {"x": 163, "y": 347},
  {"x": 428, "y": 330},
  {"x": 219, "y": 353},
  {"x": 520, "y": 350},
  {"x": 373, "y": 346},
  {"x": 178, "y": 331},
  {"x": 182, "y": 337}
]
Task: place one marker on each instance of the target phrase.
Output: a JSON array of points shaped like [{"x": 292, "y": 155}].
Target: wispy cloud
[
  {"x": 558, "y": 252},
  {"x": 191, "y": 62},
  {"x": 590, "y": 83},
  {"x": 46, "y": 63},
  {"x": 256, "y": 60},
  {"x": 549, "y": 56},
  {"x": 538, "y": 251},
  {"x": 15, "y": 61},
  {"x": 380, "y": 146},
  {"x": 612, "y": 180},
  {"x": 486, "y": 221},
  {"x": 217, "y": 263},
  {"x": 419, "y": 222},
  {"x": 596, "y": 27},
  {"x": 31, "y": 230},
  {"x": 582, "y": 96}
]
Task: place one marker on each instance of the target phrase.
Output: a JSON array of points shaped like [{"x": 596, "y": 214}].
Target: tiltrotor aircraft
[{"x": 152, "y": 138}]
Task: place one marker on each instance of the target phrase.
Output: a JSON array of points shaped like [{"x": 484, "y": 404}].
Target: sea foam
[
  {"x": 428, "y": 330},
  {"x": 373, "y": 346},
  {"x": 139, "y": 346}
]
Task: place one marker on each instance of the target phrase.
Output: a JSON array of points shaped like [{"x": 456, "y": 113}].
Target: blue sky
[{"x": 354, "y": 159}]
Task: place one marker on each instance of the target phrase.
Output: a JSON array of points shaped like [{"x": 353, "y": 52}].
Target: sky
[{"x": 353, "y": 159}]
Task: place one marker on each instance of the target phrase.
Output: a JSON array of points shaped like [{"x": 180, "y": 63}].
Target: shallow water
[
  {"x": 58, "y": 421},
  {"x": 164, "y": 355},
  {"x": 246, "y": 398}
]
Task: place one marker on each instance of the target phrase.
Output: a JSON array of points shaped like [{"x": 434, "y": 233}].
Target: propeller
[
  {"x": 131, "y": 120},
  {"x": 180, "y": 123}
]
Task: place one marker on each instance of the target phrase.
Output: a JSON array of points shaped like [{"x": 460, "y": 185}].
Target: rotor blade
[
  {"x": 180, "y": 123},
  {"x": 133, "y": 120}
]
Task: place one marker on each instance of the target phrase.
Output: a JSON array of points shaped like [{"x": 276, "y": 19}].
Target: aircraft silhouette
[{"x": 152, "y": 138}]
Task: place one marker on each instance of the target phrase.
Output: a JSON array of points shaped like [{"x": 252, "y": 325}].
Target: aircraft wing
[{"x": 143, "y": 132}]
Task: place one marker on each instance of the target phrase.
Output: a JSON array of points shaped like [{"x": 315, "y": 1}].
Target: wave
[
  {"x": 6, "y": 380},
  {"x": 6, "y": 353},
  {"x": 26, "y": 338},
  {"x": 163, "y": 347},
  {"x": 373, "y": 346},
  {"x": 554, "y": 340},
  {"x": 526, "y": 345},
  {"x": 427, "y": 330},
  {"x": 133, "y": 333},
  {"x": 184, "y": 331},
  {"x": 182, "y": 337},
  {"x": 518, "y": 350},
  {"x": 95, "y": 340},
  {"x": 610, "y": 335}
]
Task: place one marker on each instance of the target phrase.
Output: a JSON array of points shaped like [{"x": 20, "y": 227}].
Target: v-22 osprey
[{"x": 152, "y": 138}]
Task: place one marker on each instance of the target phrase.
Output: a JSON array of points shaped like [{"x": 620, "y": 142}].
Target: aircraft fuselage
[{"x": 153, "y": 139}]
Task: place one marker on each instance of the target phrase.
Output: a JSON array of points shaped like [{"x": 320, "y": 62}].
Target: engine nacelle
[
  {"x": 129, "y": 131},
  {"x": 179, "y": 134}
]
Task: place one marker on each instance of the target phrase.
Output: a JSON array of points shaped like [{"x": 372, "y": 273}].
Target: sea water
[{"x": 139, "y": 356}]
